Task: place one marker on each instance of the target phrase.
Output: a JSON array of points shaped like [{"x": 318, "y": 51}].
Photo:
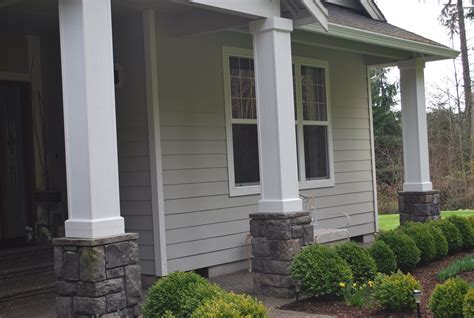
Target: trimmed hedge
[
  {"x": 468, "y": 304},
  {"x": 383, "y": 257},
  {"x": 466, "y": 230},
  {"x": 395, "y": 292},
  {"x": 406, "y": 252},
  {"x": 447, "y": 299},
  {"x": 360, "y": 261},
  {"x": 422, "y": 238},
  {"x": 231, "y": 305},
  {"x": 439, "y": 239},
  {"x": 452, "y": 235},
  {"x": 320, "y": 269},
  {"x": 179, "y": 294}
]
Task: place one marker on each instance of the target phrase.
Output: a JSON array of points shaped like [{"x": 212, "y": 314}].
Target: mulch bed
[{"x": 426, "y": 275}]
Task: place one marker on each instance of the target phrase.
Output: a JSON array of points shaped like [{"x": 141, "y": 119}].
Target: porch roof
[{"x": 353, "y": 25}]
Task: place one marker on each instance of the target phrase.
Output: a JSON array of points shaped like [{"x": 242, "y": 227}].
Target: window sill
[{"x": 256, "y": 189}]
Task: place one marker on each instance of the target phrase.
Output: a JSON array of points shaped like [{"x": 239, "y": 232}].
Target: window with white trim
[{"x": 312, "y": 122}]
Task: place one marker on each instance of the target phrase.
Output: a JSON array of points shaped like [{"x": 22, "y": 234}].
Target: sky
[{"x": 421, "y": 17}]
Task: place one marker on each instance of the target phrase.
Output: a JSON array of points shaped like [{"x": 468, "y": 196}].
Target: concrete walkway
[{"x": 242, "y": 282}]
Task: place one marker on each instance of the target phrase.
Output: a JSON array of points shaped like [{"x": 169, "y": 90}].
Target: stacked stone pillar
[
  {"x": 276, "y": 239},
  {"x": 97, "y": 277},
  {"x": 419, "y": 206}
]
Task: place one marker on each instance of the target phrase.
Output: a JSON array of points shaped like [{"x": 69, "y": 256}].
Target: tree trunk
[{"x": 466, "y": 73}]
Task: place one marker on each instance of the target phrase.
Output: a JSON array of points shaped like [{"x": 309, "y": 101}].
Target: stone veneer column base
[
  {"x": 97, "y": 277},
  {"x": 419, "y": 206},
  {"x": 276, "y": 239}
]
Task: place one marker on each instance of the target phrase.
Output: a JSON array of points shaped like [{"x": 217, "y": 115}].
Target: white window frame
[
  {"x": 234, "y": 190},
  {"x": 300, "y": 123}
]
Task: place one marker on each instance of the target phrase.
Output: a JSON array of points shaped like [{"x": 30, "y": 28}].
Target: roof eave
[{"x": 432, "y": 52}]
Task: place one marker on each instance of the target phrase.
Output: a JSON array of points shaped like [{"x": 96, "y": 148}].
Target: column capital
[
  {"x": 412, "y": 64},
  {"x": 271, "y": 24}
]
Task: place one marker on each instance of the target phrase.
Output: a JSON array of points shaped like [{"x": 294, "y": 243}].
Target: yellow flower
[
  {"x": 370, "y": 283},
  {"x": 342, "y": 285},
  {"x": 354, "y": 285}
]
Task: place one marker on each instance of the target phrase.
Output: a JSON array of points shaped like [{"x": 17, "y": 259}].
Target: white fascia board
[
  {"x": 318, "y": 11},
  {"x": 249, "y": 8},
  {"x": 340, "y": 31},
  {"x": 373, "y": 10}
]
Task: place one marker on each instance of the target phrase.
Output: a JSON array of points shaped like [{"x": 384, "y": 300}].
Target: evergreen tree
[{"x": 387, "y": 130}]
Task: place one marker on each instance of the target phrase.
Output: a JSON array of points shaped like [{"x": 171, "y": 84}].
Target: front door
[{"x": 16, "y": 161}]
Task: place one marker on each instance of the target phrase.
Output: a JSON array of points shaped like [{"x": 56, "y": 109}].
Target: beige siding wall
[
  {"x": 353, "y": 193},
  {"x": 132, "y": 135},
  {"x": 206, "y": 227}
]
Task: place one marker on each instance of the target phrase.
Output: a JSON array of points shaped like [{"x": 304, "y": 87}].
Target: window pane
[
  {"x": 316, "y": 152},
  {"x": 246, "y": 167},
  {"x": 243, "y": 88},
  {"x": 313, "y": 84}
]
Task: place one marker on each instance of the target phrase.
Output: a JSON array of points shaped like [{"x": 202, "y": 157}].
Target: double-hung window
[{"x": 312, "y": 122}]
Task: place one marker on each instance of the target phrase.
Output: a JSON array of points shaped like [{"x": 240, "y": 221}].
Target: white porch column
[
  {"x": 89, "y": 119},
  {"x": 415, "y": 133},
  {"x": 276, "y": 118}
]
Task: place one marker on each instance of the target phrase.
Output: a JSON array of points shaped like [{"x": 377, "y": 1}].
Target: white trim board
[
  {"x": 154, "y": 143},
  {"x": 372, "y": 145}
]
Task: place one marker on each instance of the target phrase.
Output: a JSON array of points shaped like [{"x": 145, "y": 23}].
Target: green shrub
[
  {"x": 466, "y": 230},
  {"x": 439, "y": 239},
  {"x": 458, "y": 266},
  {"x": 179, "y": 294},
  {"x": 168, "y": 314},
  {"x": 423, "y": 240},
  {"x": 471, "y": 220},
  {"x": 230, "y": 305},
  {"x": 468, "y": 304},
  {"x": 395, "y": 292},
  {"x": 406, "y": 252},
  {"x": 320, "y": 269},
  {"x": 384, "y": 257},
  {"x": 359, "y": 260},
  {"x": 447, "y": 299},
  {"x": 452, "y": 235}
]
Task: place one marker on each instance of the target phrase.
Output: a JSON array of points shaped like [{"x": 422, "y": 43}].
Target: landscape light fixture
[{"x": 417, "y": 295}]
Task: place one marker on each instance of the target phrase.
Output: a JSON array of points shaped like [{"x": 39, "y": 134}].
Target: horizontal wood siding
[
  {"x": 132, "y": 135},
  {"x": 204, "y": 225}
]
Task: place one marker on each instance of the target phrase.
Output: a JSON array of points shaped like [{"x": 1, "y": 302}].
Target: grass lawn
[{"x": 391, "y": 221}]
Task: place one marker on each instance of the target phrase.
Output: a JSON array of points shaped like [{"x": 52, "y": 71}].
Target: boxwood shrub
[
  {"x": 439, "y": 239},
  {"x": 468, "y": 304},
  {"x": 179, "y": 294},
  {"x": 422, "y": 238},
  {"x": 320, "y": 269},
  {"x": 447, "y": 299},
  {"x": 231, "y": 305},
  {"x": 466, "y": 230},
  {"x": 406, "y": 252},
  {"x": 395, "y": 292},
  {"x": 359, "y": 260},
  {"x": 383, "y": 257},
  {"x": 452, "y": 235}
]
